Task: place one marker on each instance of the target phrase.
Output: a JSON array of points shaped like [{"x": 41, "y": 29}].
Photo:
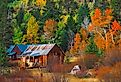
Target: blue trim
[
  {"x": 11, "y": 48},
  {"x": 12, "y": 53}
]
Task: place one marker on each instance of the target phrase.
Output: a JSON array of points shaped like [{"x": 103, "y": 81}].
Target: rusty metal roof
[{"x": 37, "y": 50}]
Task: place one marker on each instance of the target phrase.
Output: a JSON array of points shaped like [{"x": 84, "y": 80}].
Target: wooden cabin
[{"x": 44, "y": 54}]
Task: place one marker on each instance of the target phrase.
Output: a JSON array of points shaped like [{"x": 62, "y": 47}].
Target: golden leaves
[
  {"x": 100, "y": 41},
  {"x": 65, "y": 18},
  {"x": 49, "y": 27},
  {"x": 40, "y": 3},
  {"x": 32, "y": 29}
]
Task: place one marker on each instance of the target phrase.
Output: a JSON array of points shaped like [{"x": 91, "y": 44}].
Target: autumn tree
[
  {"x": 32, "y": 31},
  {"x": 100, "y": 23},
  {"x": 77, "y": 41},
  {"x": 49, "y": 28},
  {"x": 84, "y": 35}
]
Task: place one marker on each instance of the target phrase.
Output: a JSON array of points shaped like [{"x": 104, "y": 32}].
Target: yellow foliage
[
  {"x": 32, "y": 29},
  {"x": 25, "y": 2},
  {"x": 64, "y": 18},
  {"x": 40, "y": 3}
]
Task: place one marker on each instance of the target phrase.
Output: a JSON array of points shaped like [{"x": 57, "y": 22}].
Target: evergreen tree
[
  {"x": 82, "y": 13},
  {"x": 92, "y": 48},
  {"x": 116, "y": 6}
]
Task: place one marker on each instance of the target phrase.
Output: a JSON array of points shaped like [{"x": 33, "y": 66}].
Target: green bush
[
  {"x": 3, "y": 57},
  {"x": 92, "y": 48}
]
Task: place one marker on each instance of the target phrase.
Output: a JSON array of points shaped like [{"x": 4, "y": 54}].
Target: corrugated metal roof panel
[
  {"x": 22, "y": 47},
  {"x": 10, "y": 49},
  {"x": 38, "y": 50}
]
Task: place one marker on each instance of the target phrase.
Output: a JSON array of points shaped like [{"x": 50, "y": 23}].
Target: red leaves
[
  {"x": 97, "y": 13},
  {"x": 108, "y": 11},
  {"x": 116, "y": 26}
]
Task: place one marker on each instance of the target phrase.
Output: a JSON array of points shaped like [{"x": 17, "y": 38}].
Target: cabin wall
[
  {"x": 55, "y": 57},
  {"x": 42, "y": 60}
]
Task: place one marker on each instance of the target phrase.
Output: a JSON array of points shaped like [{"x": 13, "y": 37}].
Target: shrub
[
  {"x": 110, "y": 74},
  {"x": 112, "y": 57},
  {"x": 92, "y": 48},
  {"x": 89, "y": 60},
  {"x": 3, "y": 57},
  {"x": 103, "y": 70}
]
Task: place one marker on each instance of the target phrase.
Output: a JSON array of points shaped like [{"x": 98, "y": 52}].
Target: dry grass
[
  {"x": 110, "y": 71},
  {"x": 112, "y": 57}
]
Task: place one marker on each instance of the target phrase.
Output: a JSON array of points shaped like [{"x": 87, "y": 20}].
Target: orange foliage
[
  {"x": 119, "y": 43},
  {"x": 109, "y": 41},
  {"x": 83, "y": 45},
  {"x": 90, "y": 27},
  {"x": 97, "y": 13},
  {"x": 103, "y": 71},
  {"x": 116, "y": 26},
  {"x": 96, "y": 17},
  {"x": 108, "y": 11},
  {"x": 84, "y": 33},
  {"x": 41, "y": 3},
  {"x": 77, "y": 40},
  {"x": 50, "y": 27},
  {"x": 100, "y": 41},
  {"x": 99, "y": 20}
]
